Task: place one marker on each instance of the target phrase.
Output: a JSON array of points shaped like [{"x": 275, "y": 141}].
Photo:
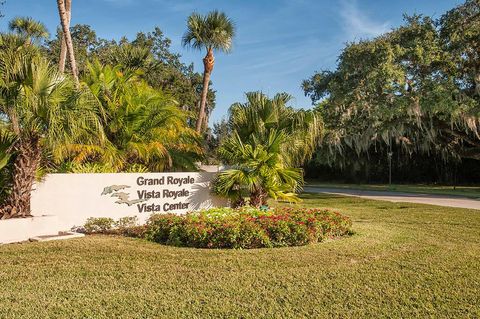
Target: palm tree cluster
[
  {"x": 110, "y": 120},
  {"x": 144, "y": 128}
]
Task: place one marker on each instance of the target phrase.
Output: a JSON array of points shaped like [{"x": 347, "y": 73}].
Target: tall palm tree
[
  {"x": 31, "y": 29},
  {"x": 43, "y": 110},
  {"x": 65, "y": 22},
  {"x": 63, "y": 47},
  {"x": 214, "y": 31}
]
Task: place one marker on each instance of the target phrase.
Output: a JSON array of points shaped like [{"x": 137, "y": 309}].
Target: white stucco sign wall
[{"x": 75, "y": 197}]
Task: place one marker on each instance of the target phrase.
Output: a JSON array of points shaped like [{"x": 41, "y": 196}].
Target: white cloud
[{"x": 357, "y": 24}]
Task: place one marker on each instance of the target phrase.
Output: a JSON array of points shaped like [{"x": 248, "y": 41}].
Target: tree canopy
[
  {"x": 211, "y": 31},
  {"x": 416, "y": 87}
]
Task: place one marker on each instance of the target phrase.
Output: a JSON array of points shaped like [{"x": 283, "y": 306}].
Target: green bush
[
  {"x": 247, "y": 227},
  {"x": 126, "y": 226},
  {"x": 137, "y": 231},
  {"x": 126, "y": 222},
  {"x": 98, "y": 225}
]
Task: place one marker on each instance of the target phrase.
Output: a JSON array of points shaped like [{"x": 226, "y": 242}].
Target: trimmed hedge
[{"x": 247, "y": 227}]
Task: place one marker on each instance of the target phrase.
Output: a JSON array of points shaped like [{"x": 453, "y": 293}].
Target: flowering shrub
[{"x": 247, "y": 227}]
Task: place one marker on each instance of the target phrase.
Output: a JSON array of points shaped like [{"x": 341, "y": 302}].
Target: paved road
[{"x": 440, "y": 200}]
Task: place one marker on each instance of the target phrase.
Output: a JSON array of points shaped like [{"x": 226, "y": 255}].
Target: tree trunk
[
  {"x": 24, "y": 171},
  {"x": 68, "y": 38},
  {"x": 63, "y": 48},
  {"x": 239, "y": 202},
  {"x": 258, "y": 198},
  {"x": 208, "y": 62},
  {"x": 206, "y": 118}
]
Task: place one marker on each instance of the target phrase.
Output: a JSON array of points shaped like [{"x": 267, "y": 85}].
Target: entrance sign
[{"x": 76, "y": 197}]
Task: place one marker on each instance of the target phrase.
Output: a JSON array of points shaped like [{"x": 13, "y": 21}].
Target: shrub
[
  {"x": 126, "y": 226},
  {"x": 247, "y": 227},
  {"x": 126, "y": 222},
  {"x": 137, "y": 231},
  {"x": 98, "y": 225}
]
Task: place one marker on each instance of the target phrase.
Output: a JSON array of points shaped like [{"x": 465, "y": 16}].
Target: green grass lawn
[
  {"x": 466, "y": 191},
  {"x": 404, "y": 261}
]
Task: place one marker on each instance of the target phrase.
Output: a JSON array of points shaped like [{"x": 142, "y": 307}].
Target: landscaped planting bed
[{"x": 245, "y": 227}]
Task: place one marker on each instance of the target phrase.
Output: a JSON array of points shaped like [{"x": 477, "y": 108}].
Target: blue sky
[{"x": 278, "y": 44}]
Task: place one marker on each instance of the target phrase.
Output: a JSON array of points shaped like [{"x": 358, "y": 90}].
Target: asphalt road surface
[{"x": 439, "y": 200}]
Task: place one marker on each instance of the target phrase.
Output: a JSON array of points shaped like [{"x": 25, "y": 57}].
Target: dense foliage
[
  {"x": 245, "y": 227},
  {"x": 144, "y": 128},
  {"x": 42, "y": 111},
  {"x": 149, "y": 53},
  {"x": 106, "y": 225},
  {"x": 414, "y": 90},
  {"x": 118, "y": 115},
  {"x": 231, "y": 228}
]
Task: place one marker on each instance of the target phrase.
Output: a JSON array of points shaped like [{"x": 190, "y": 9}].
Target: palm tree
[
  {"x": 43, "y": 111},
  {"x": 65, "y": 22},
  {"x": 63, "y": 47},
  {"x": 29, "y": 28},
  {"x": 214, "y": 31},
  {"x": 259, "y": 171},
  {"x": 131, "y": 57},
  {"x": 268, "y": 140}
]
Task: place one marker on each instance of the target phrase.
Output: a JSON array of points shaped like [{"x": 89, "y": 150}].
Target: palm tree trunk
[
  {"x": 258, "y": 198},
  {"x": 24, "y": 171},
  {"x": 63, "y": 48},
  {"x": 68, "y": 38},
  {"x": 208, "y": 62},
  {"x": 206, "y": 117}
]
